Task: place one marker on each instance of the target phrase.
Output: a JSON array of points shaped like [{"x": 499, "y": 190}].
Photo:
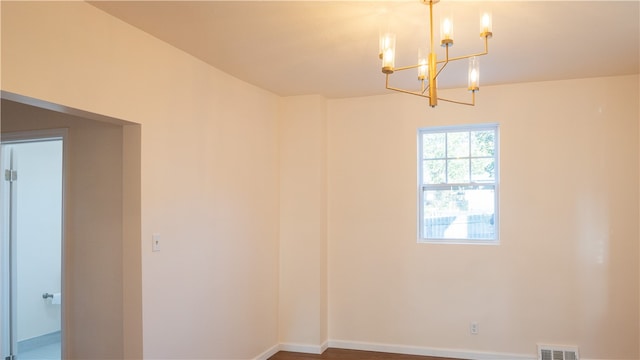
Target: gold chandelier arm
[
  {"x": 472, "y": 103},
  {"x": 421, "y": 94},
  {"x": 446, "y": 61},
  {"x": 408, "y": 92},
  {"x": 486, "y": 51},
  {"x": 463, "y": 57},
  {"x": 442, "y": 68},
  {"x": 406, "y": 67}
]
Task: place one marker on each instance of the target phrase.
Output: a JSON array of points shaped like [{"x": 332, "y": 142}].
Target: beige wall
[
  {"x": 566, "y": 271},
  {"x": 209, "y": 168},
  {"x": 303, "y": 223},
  {"x": 93, "y": 292}
]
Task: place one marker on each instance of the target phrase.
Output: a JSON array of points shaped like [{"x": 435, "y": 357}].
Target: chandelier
[{"x": 428, "y": 66}]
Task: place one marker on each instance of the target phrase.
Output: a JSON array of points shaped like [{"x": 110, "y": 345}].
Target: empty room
[{"x": 255, "y": 179}]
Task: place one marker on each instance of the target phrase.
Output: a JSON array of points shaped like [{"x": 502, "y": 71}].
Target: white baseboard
[
  {"x": 423, "y": 351},
  {"x": 269, "y": 353},
  {"x": 304, "y": 348},
  {"x": 391, "y": 348}
]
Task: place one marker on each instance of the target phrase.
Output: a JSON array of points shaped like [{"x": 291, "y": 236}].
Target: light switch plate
[{"x": 155, "y": 242}]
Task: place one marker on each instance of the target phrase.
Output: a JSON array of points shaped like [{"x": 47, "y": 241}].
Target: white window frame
[{"x": 422, "y": 187}]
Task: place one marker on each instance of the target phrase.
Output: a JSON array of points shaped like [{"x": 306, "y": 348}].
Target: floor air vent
[{"x": 553, "y": 352}]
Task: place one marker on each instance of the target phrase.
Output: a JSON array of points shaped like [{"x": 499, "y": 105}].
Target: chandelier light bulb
[
  {"x": 422, "y": 61},
  {"x": 446, "y": 32},
  {"x": 474, "y": 77},
  {"x": 388, "y": 52},
  {"x": 386, "y": 41},
  {"x": 446, "y": 28},
  {"x": 474, "y": 74},
  {"x": 485, "y": 25},
  {"x": 388, "y": 60}
]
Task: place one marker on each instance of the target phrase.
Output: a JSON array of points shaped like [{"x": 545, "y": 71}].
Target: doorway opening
[
  {"x": 102, "y": 273},
  {"x": 32, "y": 244}
]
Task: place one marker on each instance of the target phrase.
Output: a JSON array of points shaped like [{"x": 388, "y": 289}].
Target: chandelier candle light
[{"x": 428, "y": 63}]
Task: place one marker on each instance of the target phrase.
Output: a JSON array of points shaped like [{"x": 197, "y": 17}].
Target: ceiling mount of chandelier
[{"x": 428, "y": 66}]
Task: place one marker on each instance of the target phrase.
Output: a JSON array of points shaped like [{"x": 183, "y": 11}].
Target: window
[{"x": 458, "y": 184}]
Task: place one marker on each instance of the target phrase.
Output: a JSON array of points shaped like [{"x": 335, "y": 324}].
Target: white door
[{"x": 32, "y": 170}]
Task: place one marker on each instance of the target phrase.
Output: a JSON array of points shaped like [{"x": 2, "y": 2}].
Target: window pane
[
  {"x": 458, "y": 168},
  {"x": 433, "y": 172},
  {"x": 482, "y": 170},
  {"x": 459, "y": 213},
  {"x": 458, "y": 171},
  {"x": 482, "y": 143},
  {"x": 457, "y": 144},
  {"x": 433, "y": 146}
]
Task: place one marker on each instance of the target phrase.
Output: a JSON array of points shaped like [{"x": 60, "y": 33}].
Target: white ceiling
[{"x": 331, "y": 47}]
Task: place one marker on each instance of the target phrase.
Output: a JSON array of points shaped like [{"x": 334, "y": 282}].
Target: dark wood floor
[{"x": 334, "y": 354}]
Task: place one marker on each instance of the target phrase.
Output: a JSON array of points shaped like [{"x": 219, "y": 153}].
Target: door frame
[{"x": 7, "y": 342}]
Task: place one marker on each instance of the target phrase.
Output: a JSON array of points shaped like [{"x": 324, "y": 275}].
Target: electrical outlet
[{"x": 474, "y": 328}]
